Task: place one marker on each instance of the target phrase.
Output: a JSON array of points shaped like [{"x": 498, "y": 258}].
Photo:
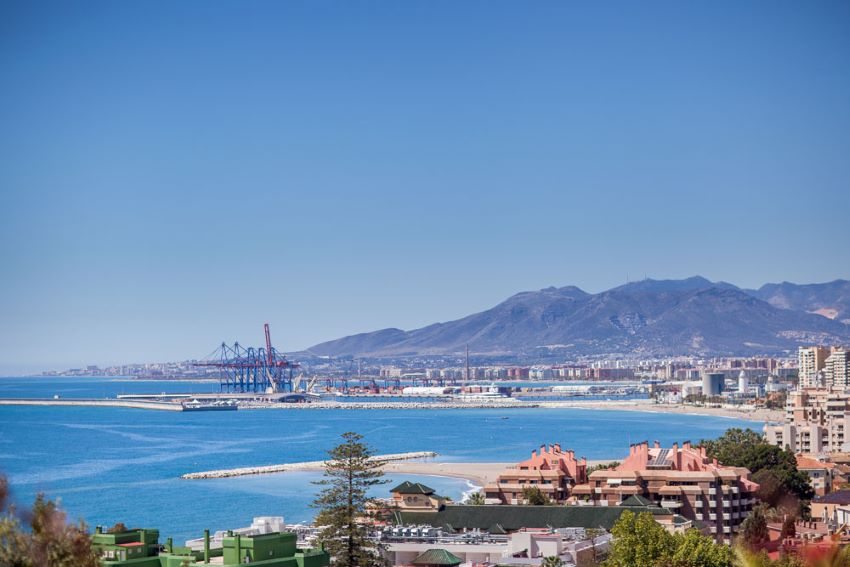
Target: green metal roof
[
  {"x": 408, "y": 487},
  {"x": 438, "y": 557},
  {"x": 513, "y": 518},
  {"x": 637, "y": 500}
]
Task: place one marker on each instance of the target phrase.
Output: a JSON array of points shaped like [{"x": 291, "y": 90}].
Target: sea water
[{"x": 111, "y": 465}]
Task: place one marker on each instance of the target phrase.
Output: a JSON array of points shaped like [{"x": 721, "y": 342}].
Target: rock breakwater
[{"x": 304, "y": 466}]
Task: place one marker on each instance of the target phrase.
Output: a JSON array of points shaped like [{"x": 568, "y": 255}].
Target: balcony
[
  {"x": 727, "y": 516},
  {"x": 698, "y": 515},
  {"x": 712, "y": 491},
  {"x": 698, "y": 503},
  {"x": 712, "y": 517},
  {"x": 727, "y": 503},
  {"x": 727, "y": 529}
]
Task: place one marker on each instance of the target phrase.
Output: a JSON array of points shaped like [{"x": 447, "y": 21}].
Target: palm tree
[
  {"x": 552, "y": 561},
  {"x": 475, "y": 499}
]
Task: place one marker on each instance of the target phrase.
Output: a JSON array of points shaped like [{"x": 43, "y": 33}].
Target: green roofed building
[
  {"x": 437, "y": 558},
  {"x": 416, "y": 496},
  {"x": 408, "y": 487},
  {"x": 141, "y": 548},
  {"x": 507, "y": 519}
]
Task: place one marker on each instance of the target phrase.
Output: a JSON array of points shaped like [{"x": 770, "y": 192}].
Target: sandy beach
[
  {"x": 761, "y": 415},
  {"x": 478, "y": 474}
]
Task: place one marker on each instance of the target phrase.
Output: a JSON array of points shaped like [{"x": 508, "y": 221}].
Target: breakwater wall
[
  {"x": 305, "y": 466},
  {"x": 389, "y": 405},
  {"x": 91, "y": 403}
]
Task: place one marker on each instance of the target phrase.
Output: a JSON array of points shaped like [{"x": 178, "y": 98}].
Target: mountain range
[{"x": 692, "y": 316}]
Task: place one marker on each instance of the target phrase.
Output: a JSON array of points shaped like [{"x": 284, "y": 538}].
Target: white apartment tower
[
  {"x": 837, "y": 369},
  {"x": 810, "y": 361}
]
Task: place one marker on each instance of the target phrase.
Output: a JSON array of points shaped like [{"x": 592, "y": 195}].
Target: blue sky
[{"x": 175, "y": 174}]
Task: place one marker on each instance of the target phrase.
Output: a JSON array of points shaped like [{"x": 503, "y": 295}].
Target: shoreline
[
  {"x": 749, "y": 414},
  {"x": 477, "y": 474}
]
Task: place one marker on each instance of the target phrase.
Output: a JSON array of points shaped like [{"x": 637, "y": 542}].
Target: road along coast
[{"x": 304, "y": 466}]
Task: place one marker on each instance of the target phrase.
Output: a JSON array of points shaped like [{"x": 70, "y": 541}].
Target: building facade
[
  {"x": 415, "y": 496},
  {"x": 681, "y": 479},
  {"x": 836, "y": 369},
  {"x": 816, "y": 420},
  {"x": 141, "y": 548},
  {"x": 551, "y": 469},
  {"x": 810, "y": 362},
  {"x": 820, "y": 473}
]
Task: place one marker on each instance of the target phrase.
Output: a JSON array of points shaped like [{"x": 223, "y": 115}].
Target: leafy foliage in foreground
[
  {"x": 41, "y": 537},
  {"x": 640, "y": 541}
]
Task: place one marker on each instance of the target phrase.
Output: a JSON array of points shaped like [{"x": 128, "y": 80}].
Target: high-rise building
[
  {"x": 816, "y": 421},
  {"x": 837, "y": 369},
  {"x": 712, "y": 383},
  {"x": 810, "y": 361}
]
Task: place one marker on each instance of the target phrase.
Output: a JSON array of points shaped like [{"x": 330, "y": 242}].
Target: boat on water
[
  {"x": 490, "y": 392},
  {"x": 220, "y": 405}
]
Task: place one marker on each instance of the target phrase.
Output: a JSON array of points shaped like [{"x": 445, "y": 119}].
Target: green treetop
[
  {"x": 344, "y": 503},
  {"x": 774, "y": 469}
]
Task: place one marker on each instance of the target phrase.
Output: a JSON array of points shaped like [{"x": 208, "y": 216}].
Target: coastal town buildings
[
  {"x": 833, "y": 507},
  {"x": 552, "y": 470},
  {"x": 821, "y": 473},
  {"x": 415, "y": 496},
  {"x": 810, "y": 363},
  {"x": 836, "y": 369},
  {"x": 816, "y": 420},
  {"x": 405, "y": 547},
  {"x": 681, "y": 479}
]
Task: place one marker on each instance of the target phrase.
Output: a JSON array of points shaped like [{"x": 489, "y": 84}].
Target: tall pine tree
[{"x": 343, "y": 503}]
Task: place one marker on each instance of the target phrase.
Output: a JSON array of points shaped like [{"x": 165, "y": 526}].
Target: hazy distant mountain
[
  {"x": 653, "y": 317},
  {"x": 830, "y": 299}
]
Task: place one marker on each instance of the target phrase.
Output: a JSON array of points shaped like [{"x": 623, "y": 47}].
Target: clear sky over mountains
[{"x": 175, "y": 174}]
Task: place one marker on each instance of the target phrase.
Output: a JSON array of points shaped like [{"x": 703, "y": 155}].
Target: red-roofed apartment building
[
  {"x": 820, "y": 473},
  {"x": 552, "y": 470},
  {"x": 681, "y": 479}
]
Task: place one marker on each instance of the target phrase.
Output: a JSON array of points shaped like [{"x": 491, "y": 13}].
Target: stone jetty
[
  {"x": 305, "y": 466},
  {"x": 91, "y": 403}
]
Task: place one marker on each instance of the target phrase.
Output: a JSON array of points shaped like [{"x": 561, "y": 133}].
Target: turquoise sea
[{"x": 114, "y": 464}]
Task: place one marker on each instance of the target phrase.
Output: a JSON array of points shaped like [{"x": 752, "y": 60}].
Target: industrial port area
[{"x": 265, "y": 378}]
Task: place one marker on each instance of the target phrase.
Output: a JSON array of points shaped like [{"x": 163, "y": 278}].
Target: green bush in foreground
[{"x": 44, "y": 537}]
